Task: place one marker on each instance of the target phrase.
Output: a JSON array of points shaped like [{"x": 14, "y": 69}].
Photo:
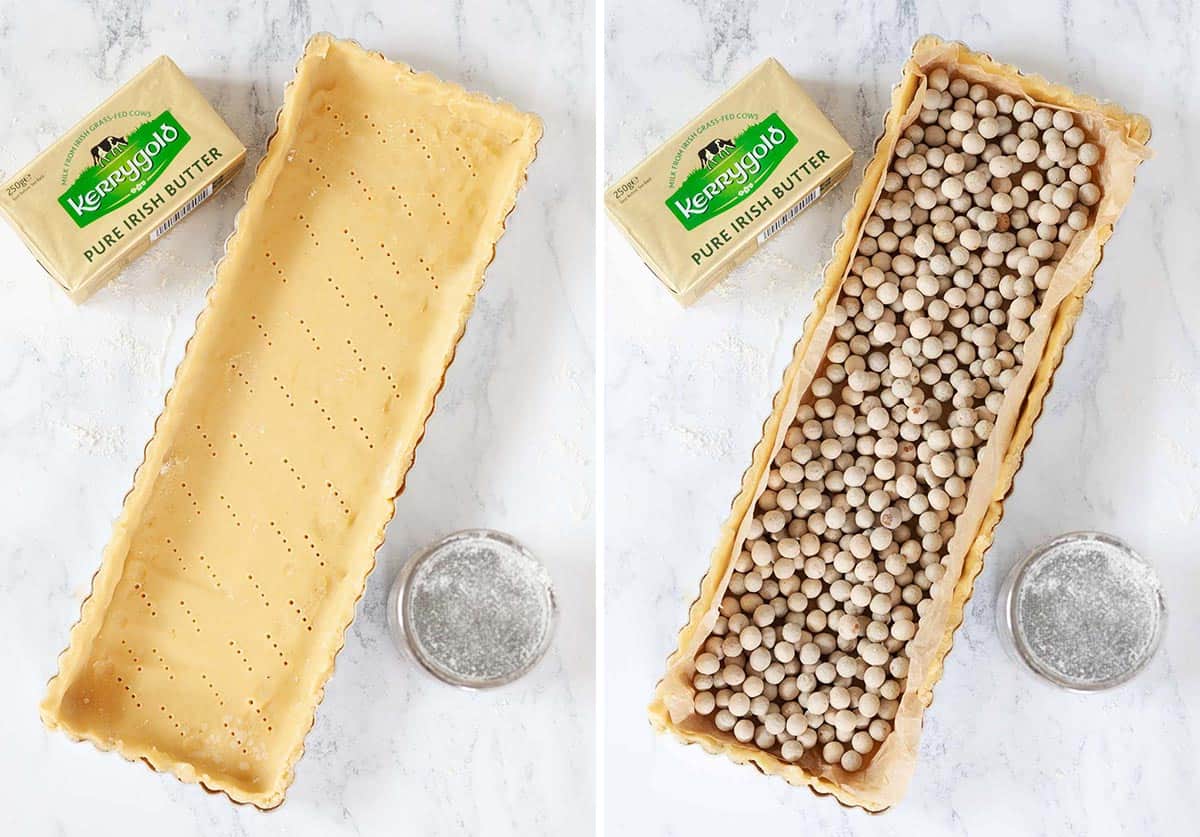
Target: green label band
[
  {"x": 125, "y": 167},
  {"x": 733, "y": 174}
]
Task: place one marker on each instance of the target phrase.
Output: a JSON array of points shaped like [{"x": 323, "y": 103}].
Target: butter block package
[
  {"x": 121, "y": 178},
  {"x": 709, "y": 197}
]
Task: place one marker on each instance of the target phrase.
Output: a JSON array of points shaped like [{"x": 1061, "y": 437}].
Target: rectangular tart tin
[
  {"x": 244, "y": 545},
  {"x": 885, "y": 778}
]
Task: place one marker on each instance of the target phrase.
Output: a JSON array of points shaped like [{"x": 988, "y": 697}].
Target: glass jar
[
  {"x": 475, "y": 609},
  {"x": 1083, "y": 611}
]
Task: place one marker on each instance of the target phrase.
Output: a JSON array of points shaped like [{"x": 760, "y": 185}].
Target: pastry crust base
[
  {"x": 885, "y": 778},
  {"x": 245, "y": 543}
]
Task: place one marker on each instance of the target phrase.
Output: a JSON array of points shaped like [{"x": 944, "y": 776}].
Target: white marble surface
[
  {"x": 510, "y": 447},
  {"x": 1115, "y": 450}
]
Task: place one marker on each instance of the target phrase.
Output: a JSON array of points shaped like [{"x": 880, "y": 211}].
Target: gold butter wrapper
[
  {"x": 709, "y": 196},
  {"x": 121, "y": 178}
]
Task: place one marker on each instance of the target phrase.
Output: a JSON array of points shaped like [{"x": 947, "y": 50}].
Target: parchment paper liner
[
  {"x": 885, "y": 778},
  {"x": 108, "y": 575}
]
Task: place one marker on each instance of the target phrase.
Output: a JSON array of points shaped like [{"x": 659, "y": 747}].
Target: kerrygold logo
[
  {"x": 731, "y": 171},
  {"x": 124, "y": 168}
]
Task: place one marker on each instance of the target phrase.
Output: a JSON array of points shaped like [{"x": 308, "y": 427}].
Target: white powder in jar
[
  {"x": 1087, "y": 612},
  {"x": 478, "y": 609}
]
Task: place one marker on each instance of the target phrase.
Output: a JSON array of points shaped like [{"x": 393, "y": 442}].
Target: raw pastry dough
[
  {"x": 246, "y": 540},
  {"x": 885, "y": 778}
]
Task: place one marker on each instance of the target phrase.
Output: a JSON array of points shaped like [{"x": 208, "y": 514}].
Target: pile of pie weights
[{"x": 849, "y": 542}]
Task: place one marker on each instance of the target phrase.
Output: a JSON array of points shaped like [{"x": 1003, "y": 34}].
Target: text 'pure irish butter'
[
  {"x": 121, "y": 178},
  {"x": 733, "y": 177}
]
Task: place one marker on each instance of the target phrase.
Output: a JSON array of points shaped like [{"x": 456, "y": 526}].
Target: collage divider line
[{"x": 599, "y": 285}]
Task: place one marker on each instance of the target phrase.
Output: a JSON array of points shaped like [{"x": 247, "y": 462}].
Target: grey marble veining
[
  {"x": 510, "y": 447},
  {"x": 1115, "y": 450}
]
